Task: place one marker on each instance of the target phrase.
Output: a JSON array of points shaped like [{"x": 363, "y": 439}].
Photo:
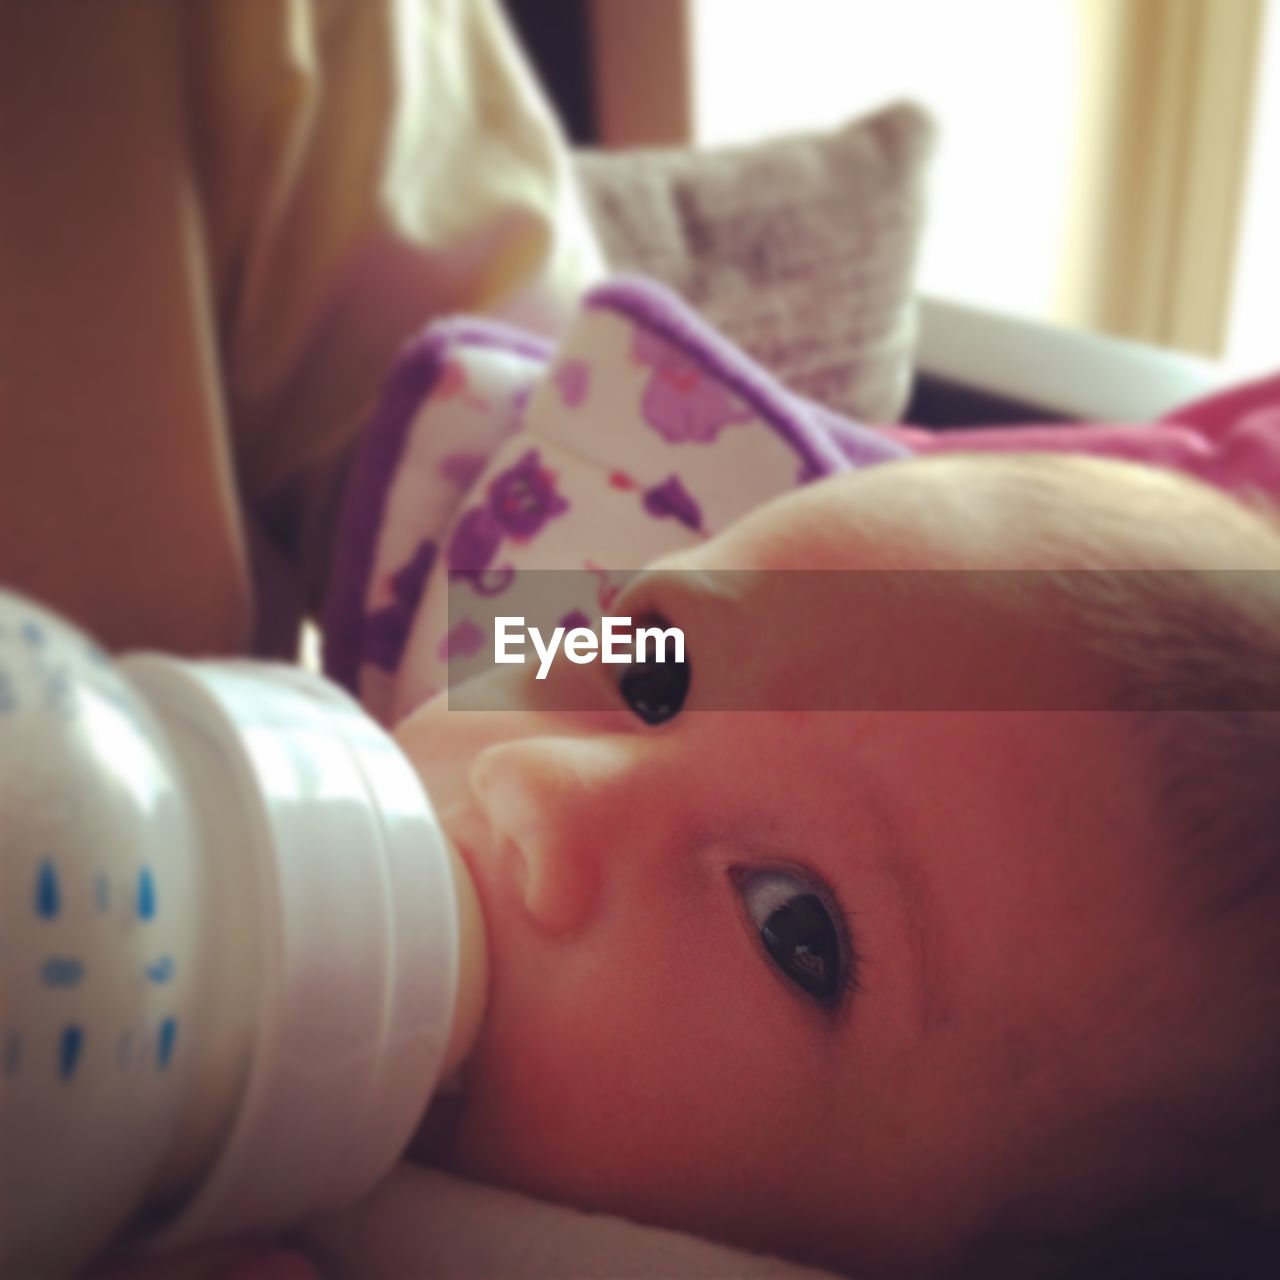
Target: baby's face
[{"x": 829, "y": 984}]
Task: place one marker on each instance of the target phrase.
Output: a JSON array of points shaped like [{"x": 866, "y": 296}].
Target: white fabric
[{"x": 421, "y": 1223}]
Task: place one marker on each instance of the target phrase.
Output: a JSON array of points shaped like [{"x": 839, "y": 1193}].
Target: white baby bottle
[{"x": 236, "y": 952}]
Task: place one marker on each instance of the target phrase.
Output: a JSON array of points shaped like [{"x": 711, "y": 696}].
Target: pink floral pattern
[
  {"x": 519, "y": 501},
  {"x": 464, "y": 640},
  {"x": 682, "y": 401},
  {"x": 573, "y": 379},
  {"x": 671, "y": 499}
]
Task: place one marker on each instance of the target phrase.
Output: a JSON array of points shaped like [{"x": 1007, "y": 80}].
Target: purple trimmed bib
[{"x": 643, "y": 433}]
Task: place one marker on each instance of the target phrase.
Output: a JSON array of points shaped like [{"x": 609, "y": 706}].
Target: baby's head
[{"x": 947, "y": 990}]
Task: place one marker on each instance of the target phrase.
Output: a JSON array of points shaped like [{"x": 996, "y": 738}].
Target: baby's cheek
[
  {"x": 547, "y": 1090},
  {"x": 638, "y": 1064}
]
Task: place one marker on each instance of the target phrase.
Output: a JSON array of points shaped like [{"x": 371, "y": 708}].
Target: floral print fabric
[{"x": 643, "y": 434}]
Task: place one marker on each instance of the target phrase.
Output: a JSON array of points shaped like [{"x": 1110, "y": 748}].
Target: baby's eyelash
[
  {"x": 654, "y": 690},
  {"x": 851, "y": 979}
]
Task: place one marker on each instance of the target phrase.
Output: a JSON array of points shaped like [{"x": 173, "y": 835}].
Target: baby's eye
[
  {"x": 806, "y": 937},
  {"x": 655, "y": 691}
]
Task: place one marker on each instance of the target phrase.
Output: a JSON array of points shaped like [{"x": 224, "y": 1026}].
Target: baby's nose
[{"x": 550, "y": 801}]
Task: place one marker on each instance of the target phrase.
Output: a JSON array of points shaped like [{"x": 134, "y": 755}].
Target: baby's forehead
[
  {"x": 914, "y": 513},
  {"x": 1002, "y": 512},
  {"x": 990, "y": 561}
]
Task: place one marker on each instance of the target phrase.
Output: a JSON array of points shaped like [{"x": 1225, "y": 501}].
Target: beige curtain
[
  {"x": 1165, "y": 101},
  {"x": 1162, "y": 159}
]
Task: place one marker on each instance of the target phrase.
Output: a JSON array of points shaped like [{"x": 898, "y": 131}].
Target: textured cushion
[{"x": 800, "y": 249}]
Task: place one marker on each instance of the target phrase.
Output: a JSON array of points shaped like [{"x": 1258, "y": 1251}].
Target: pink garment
[{"x": 1230, "y": 439}]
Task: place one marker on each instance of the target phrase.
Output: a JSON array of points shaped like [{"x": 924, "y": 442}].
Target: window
[{"x": 1101, "y": 164}]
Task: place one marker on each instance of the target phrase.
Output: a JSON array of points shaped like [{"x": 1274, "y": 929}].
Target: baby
[
  {"x": 914, "y": 924},
  {"x": 981, "y": 987}
]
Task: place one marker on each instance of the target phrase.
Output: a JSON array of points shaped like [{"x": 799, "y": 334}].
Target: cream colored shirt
[{"x": 218, "y": 220}]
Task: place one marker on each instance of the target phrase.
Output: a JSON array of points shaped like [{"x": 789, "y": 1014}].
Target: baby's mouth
[
  {"x": 474, "y": 863},
  {"x": 496, "y": 864},
  {"x": 466, "y": 832}
]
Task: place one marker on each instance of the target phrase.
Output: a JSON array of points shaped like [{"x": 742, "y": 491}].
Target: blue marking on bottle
[
  {"x": 146, "y": 895},
  {"x": 61, "y": 971},
  {"x": 47, "y": 895},
  {"x": 102, "y": 891},
  {"x": 69, "y": 1051},
  {"x": 60, "y": 694},
  {"x": 164, "y": 1045},
  {"x": 12, "y": 1054},
  {"x": 33, "y": 634},
  {"x": 160, "y": 970}
]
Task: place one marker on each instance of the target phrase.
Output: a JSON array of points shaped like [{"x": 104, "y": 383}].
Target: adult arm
[{"x": 217, "y": 222}]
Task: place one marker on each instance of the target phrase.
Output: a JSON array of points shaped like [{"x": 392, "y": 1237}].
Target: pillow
[
  {"x": 422, "y": 1223},
  {"x": 800, "y": 249}
]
